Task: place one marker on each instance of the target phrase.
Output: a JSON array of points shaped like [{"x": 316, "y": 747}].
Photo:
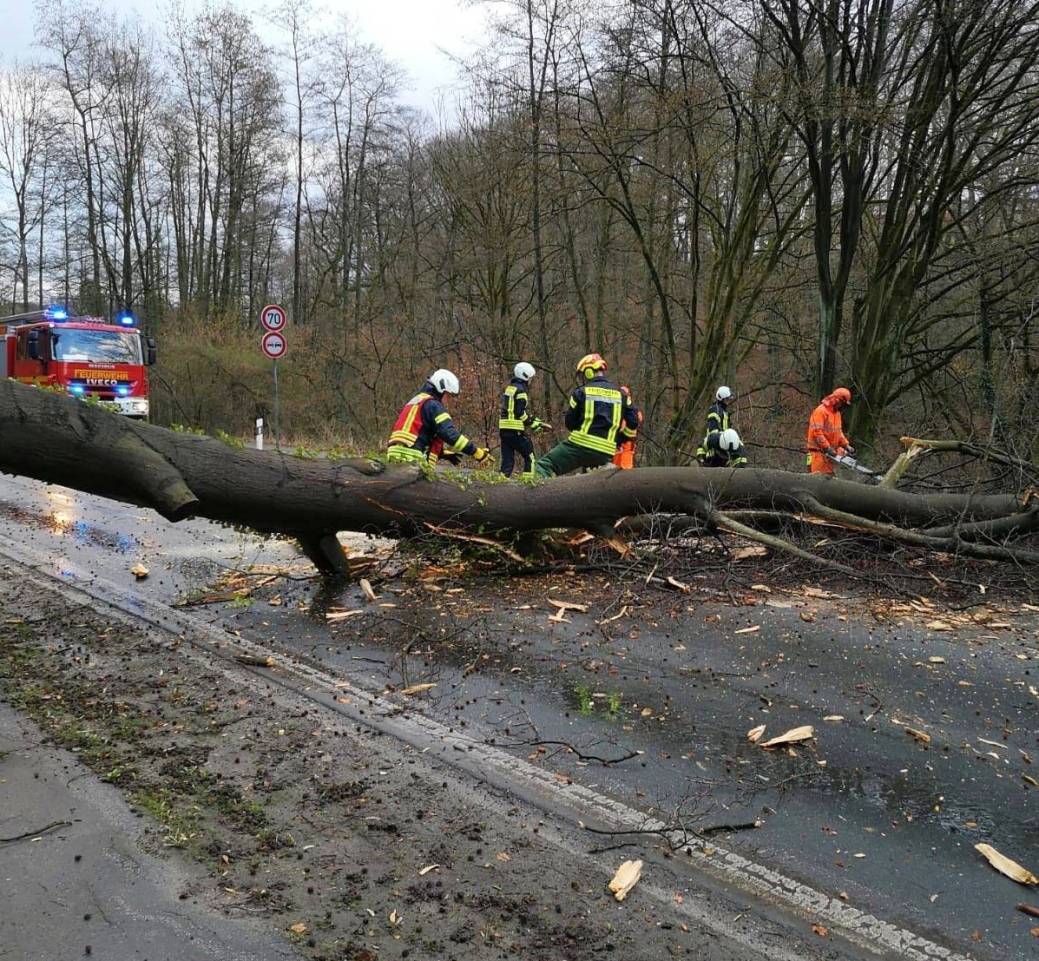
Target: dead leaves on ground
[
  {"x": 794, "y": 736},
  {"x": 625, "y": 879},
  {"x": 1005, "y": 865}
]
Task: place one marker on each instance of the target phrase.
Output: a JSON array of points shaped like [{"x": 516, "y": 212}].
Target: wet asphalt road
[{"x": 867, "y": 809}]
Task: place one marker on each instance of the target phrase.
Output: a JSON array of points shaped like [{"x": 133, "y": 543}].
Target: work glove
[
  {"x": 481, "y": 454},
  {"x": 849, "y": 450},
  {"x": 830, "y": 452}
]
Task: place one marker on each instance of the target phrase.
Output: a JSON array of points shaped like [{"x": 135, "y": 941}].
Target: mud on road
[{"x": 356, "y": 847}]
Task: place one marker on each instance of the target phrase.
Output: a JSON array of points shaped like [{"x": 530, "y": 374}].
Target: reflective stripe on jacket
[
  {"x": 599, "y": 412},
  {"x": 717, "y": 421},
  {"x": 424, "y": 428},
  {"x": 825, "y": 429},
  {"x": 514, "y": 402}
]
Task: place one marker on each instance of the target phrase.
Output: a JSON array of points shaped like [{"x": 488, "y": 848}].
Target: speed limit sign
[
  {"x": 273, "y": 344},
  {"x": 272, "y": 317}
]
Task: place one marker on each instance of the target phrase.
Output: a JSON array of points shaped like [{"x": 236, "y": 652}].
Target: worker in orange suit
[
  {"x": 625, "y": 456},
  {"x": 826, "y": 432}
]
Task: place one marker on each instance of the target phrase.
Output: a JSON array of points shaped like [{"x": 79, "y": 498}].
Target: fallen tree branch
[
  {"x": 58, "y": 439},
  {"x": 729, "y": 523},
  {"x": 952, "y": 545}
]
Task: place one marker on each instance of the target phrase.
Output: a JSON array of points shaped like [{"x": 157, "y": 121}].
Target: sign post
[{"x": 273, "y": 345}]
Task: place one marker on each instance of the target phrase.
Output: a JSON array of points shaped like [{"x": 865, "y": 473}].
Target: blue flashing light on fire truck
[{"x": 87, "y": 356}]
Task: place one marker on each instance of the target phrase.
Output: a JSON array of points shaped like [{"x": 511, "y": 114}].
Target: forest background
[{"x": 780, "y": 195}]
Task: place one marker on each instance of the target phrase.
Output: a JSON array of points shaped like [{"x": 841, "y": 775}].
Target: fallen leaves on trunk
[
  {"x": 139, "y": 571},
  {"x": 418, "y": 688},
  {"x": 625, "y": 879},
  {"x": 1004, "y": 865},
  {"x": 754, "y": 734},
  {"x": 804, "y": 733}
]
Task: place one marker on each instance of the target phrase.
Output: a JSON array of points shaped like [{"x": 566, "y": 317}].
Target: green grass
[
  {"x": 585, "y": 702},
  {"x": 179, "y": 823}
]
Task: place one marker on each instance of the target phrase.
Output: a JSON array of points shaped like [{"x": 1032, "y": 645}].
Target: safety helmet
[
  {"x": 444, "y": 381},
  {"x": 729, "y": 440},
  {"x": 723, "y": 393},
  {"x": 589, "y": 364},
  {"x": 523, "y": 371},
  {"x": 843, "y": 394}
]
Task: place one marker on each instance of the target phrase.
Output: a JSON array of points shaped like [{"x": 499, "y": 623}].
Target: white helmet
[
  {"x": 729, "y": 440},
  {"x": 444, "y": 381},
  {"x": 523, "y": 371},
  {"x": 723, "y": 393}
]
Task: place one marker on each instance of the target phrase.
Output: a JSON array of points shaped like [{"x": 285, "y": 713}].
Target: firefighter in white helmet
[
  {"x": 721, "y": 446},
  {"x": 423, "y": 431},
  {"x": 515, "y": 418}
]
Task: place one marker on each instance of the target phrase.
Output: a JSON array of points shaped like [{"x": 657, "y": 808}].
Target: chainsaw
[{"x": 846, "y": 460}]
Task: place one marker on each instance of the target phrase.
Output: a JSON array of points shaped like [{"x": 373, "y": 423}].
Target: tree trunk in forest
[{"x": 57, "y": 439}]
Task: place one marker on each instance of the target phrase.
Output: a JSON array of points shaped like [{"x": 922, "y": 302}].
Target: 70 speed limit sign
[{"x": 272, "y": 317}]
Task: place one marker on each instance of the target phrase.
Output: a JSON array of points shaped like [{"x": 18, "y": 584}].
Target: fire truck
[{"x": 87, "y": 356}]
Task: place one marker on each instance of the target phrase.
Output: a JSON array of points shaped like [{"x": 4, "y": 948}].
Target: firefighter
[
  {"x": 598, "y": 414},
  {"x": 625, "y": 456},
  {"x": 826, "y": 432},
  {"x": 424, "y": 432},
  {"x": 514, "y": 419},
  {"x": 721, "y": 446}
]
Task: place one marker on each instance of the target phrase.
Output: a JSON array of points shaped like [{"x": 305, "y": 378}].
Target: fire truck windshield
[{"x": 98, "y": 346}]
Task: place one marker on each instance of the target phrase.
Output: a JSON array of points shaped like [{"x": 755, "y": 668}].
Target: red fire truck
[{"x": 87, "y": 356}]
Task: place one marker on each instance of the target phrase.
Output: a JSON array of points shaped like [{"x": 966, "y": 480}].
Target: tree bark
[{"x": 57, "y": 439}]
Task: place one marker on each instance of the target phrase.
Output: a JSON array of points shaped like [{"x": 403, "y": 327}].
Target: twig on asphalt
[{"x": 35, "y": 834}]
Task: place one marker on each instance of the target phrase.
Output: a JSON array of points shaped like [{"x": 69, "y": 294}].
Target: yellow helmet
[{"x": 589, "y": 364}]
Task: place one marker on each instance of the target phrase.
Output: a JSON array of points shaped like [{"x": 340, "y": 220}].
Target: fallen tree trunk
[{"x": 54, "y": 438}]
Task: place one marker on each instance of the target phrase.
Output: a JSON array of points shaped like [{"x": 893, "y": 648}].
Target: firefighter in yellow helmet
[{"x": 600, "y": 415}]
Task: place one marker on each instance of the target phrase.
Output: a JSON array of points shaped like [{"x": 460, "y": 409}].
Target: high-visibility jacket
[
  {"x": 423, "y": 430},
  {"x": 825, "y": 432},
  {"x": 717, "y": 421},
  {"x": 599, "y": 414},
  {"x": 515, "y": 406}
]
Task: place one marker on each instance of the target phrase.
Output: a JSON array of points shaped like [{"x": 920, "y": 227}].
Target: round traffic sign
[
  {"x": 272, "y": 317},
  {"x": 273, "y": 344}
]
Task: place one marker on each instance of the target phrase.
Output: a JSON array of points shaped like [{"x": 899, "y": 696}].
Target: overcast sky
[{"x": 417, "y": 34}]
